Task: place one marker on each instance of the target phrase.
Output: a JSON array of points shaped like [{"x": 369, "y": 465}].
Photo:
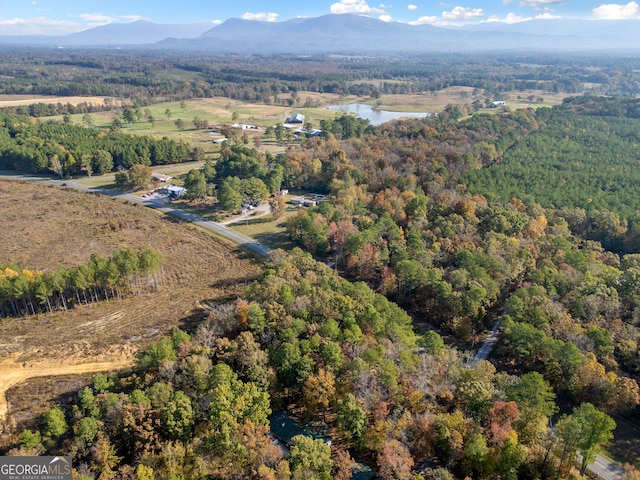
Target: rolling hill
[{"x": 353, "y": 34}]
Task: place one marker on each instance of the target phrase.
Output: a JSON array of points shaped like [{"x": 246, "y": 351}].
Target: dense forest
[
  {"x": 560, "y": 277},
  {"x": 148, "y": 76},
  {"x": 342, "y": 357},
  {"x": 35, "y": 147},
  {"x": 445, "y": 224},
  {"x": 582, "y": 154},
  {"x": 344, "y": 360}
]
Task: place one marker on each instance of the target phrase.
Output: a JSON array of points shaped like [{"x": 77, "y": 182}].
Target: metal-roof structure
[{"x": 285, "y": 428}]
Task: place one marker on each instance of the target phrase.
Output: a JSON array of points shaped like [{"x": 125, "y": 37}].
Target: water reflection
[{"x": 376, "y": 117}]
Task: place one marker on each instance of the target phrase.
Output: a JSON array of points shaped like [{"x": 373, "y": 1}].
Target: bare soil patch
[
  {"x": 45, "y": 227},
  {"x": 15, "y": 100},
  {"x": 12, "y": 374}
]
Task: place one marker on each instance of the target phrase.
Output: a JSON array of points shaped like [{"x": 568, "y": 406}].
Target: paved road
[
  {"x": 602, "y": 467},
  {"x": 487, "y": 346},
  {"x": 157, "y": 204},
  {"x": 605, "y": 469}
]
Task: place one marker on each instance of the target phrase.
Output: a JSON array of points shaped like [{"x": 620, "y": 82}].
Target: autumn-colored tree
[
  {"x": 501, "y": 418},
  {"x": 277, "y": 206},
  {"x": 56, "y": 166},
  {"x": 242, "y": 309},
  {"x": 144, "y": 473},
  {"x": 259, "y": 447},
  {"x": 140, "y": 430},
  {"x": 318, "y": 392},
  {"x": 342, "y": 465},
  {"x": 395, "y": 461},
  {"x": 623, "y": 394},
  {"x": 591, "y": 382},
  {"x": 104, "y": 458}
]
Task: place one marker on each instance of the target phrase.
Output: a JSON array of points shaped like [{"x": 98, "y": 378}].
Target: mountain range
[{"x": 351, "y": 35}]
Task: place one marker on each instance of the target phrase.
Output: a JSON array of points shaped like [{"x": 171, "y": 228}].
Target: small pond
[{"x": 376, "y": 117}]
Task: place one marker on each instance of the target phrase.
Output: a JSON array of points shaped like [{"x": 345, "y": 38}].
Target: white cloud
[
  {"x": 548, "y": 16},
  {"x": 96, "y": 17},
  {"x": 540, "y": 4},
  {"x": 510, "y": 18},
  {"x": 133, "y": 18},
  {"x": 264, "y": 16},
  {"x": 454, "y": 17},
  {"x": 412, "y": 7},
  {"x": 38, "y": 26},
  {"x": 462, "y": 14},
  {"x": 616, "y": 11},
  {"x": 360, "y": 7},
  {"x": 428, "y": 20}
]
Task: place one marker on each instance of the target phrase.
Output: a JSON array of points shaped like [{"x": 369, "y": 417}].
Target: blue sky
[{"x": 57, "y": 17}]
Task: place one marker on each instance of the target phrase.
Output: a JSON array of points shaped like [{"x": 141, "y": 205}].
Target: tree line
[
  {"x": 582, "y": 156},
  {"x": 127, "y": 272},
  {"x": 35, "y": 147},
  {"x": 142, "y": 76}
]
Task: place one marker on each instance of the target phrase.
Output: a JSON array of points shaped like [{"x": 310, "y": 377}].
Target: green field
[
  {"x": 218, "y": 112},
  {"x": 272, "y": 233}
]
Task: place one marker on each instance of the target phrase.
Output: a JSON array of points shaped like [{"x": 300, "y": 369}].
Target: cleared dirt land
[
  {"x": 45, "y": 227},
  {"x": 15, "y": 100}
]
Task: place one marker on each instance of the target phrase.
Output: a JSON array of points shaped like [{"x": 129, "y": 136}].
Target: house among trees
[
  {"x": 284, "y": 428},
  {"x": 313, "y": 133},
  {"x": 297, "y": 118},
  {"x": 175, "y": 191},
  {"x": 160, "y": 177},
  {"x": 305, "y": 202}
]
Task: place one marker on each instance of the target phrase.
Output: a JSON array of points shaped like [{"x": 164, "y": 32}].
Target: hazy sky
[{"x": 56, "y": 17}]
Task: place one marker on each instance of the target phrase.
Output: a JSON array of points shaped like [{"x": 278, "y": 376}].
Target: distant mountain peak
[{"x": 356, "y": 34}]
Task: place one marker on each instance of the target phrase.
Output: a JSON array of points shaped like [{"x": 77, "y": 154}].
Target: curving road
[
  {"x": 601, "y": 467},
  {"x": 157, "y": 204}
]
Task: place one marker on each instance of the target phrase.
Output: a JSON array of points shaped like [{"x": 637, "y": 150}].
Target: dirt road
[{"x": 11, "y": 374}]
